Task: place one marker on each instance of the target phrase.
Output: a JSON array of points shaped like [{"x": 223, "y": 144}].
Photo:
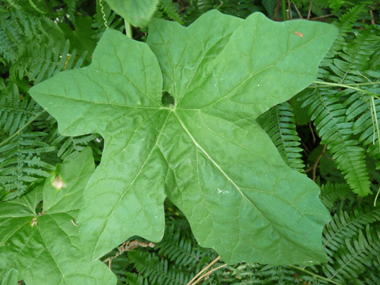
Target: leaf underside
[{"x": 205, "y": 152}]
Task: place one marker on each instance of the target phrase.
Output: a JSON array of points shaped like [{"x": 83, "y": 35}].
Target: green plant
[
  {"x": 176, "y": 150},
  {"x": 41, "y": 238},
  {"x": 39, "y": 39}
]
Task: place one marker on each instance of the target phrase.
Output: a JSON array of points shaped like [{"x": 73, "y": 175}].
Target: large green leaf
[
  {"x": 136, "y": 12},
  {"x": 205, "y": 152},
  {"x": 44, "y": 247}
]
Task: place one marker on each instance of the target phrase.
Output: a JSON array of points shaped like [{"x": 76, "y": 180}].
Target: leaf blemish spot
[
  {"x": 33, "y": 222},
  {"x": 299, "y": 34},
  {"x": 58, "y": 182}
]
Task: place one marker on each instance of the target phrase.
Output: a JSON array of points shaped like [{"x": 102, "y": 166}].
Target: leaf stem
[
  {"x": 377, "y": 196},
  {"x": 283, "y": 4},
  {"x": 317, "y": 161},
  {"x": 345, "y": 86},
  {"x": 316, "y": 275},
  {"x": 20, "y": 130}
]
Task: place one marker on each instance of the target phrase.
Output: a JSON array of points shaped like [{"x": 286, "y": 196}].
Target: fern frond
[
  {"x": 15, "y": 110},
  {"x": 42, "y": 62},
  {"x": 371, "y": 276},
  {"x": 32, "y": 7},
  {"x": 360, "y": 112},
  {"x": 13, "y": 4},
  {"x": 255, "y": 273},
  {"x": 354, "y": 257},
  {"x": 183, "y": 251},
  {"x": 360, "y": 107},
  {"x": 71, "y": 8},
  {"x": 346, "y": 63},
  {"x": 332, "y": 194},
  {"x": 134, "y": 279},
  {"x": 279, "y": 124},
  {"x": 347, "y": 224},
  {"x": 18, "y": 30},
  {"x": 329, "y": 119},
  {"x": 276, "y": 275},
  {"x": 157, "y": 271},
  {"x": 197, "y": 8},
  {"x": 344, "y": 24},
  {"x": 354, "y": 58},
  {"x": 336, "y": 4},
  {"x": 170, "y": 9},
  {"x": 20, "y": 164},
  {"x": 69, "y": 147}
]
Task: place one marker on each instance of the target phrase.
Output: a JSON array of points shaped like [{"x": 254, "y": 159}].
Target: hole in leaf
[
  {"x": 58, "y": 182},
  {"x": 167, "y": 99}
]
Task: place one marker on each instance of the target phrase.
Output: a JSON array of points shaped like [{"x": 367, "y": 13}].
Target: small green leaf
[
  {"x": 204, "y": 150},
  {"x": 136, "y": 12},
  {"x": 45, "y": 247},
  {"x": 82, "y": 36}
]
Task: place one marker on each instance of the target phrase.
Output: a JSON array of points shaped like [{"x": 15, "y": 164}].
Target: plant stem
[
  {"x": 317, "y": 161},
  {"x": 20, "y": 130},
  {"x": 377, "y": 195},
  {"x": 316, "y": 275},
  {"x": 209, "y": 273},
  {"x": 103, "y": 14},
  {"x": 309, "y": 12},
  {"x": 203, "y": 270},
  {"x": 344, "y": 86},
  {"x": 283, "y": 4}
]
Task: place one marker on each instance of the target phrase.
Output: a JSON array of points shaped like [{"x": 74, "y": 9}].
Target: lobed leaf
[{"x": 205, "y": 152}]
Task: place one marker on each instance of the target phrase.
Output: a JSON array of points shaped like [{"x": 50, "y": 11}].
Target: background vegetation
[{"x": 329, "y": 132}]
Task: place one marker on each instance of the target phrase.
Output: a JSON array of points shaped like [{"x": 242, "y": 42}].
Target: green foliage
[
  {"x": 352, "y": 259},
  {"x": 340, "y": 115},
  {"x": 105, "y": 18},
  {"x": 33, "y": 49},
  {"x": 120, "y": 86},
  {"x": 20, "y": 165},
  {"x": 183, "y": 251},
  {"x": 39, "y": 39},
  {"x": 156, "y": 271},
  {"x": 177, "y": 261},
  {"x": 336, "y": 196},
  {"x": 136, "y": 12},
  {"x": 279, "y": 124},
  {"x": 240, "y": 8},
  {"x": 41, "y": 238},
  {"x": 82, "y": 38},
  {"x": 329, "y": 118},
  {"x": 170, "y": 9},
  {"x": 18, "y": 30}
]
